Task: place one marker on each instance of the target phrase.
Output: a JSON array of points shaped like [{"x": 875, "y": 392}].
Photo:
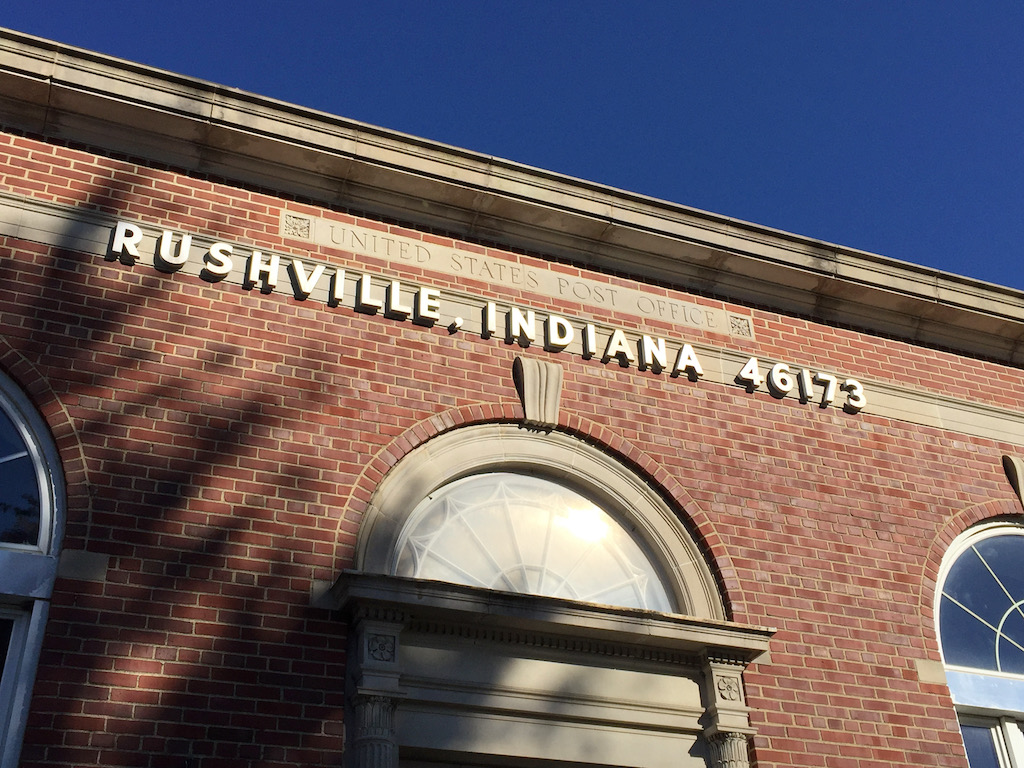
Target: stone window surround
[
  {"x": 984, "y": 698},
  {"x": 383, "y": 609},
  {"x": 557, "y": 456}
]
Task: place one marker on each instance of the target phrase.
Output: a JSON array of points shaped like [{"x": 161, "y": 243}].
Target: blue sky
[{"x": 892, "y": 127}]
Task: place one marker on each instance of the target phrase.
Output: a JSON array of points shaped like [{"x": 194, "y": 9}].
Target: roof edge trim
[{"x": 69, "y": 94}]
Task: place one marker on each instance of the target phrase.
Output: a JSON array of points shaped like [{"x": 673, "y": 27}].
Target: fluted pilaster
[{"x": 374, "y": 745}]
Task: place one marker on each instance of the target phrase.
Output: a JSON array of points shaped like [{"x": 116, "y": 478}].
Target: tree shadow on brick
[{"x": 205, "y": 478}]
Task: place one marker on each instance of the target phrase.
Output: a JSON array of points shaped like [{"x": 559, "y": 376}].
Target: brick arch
[
  {"x": 414, "y": 437},
  {"x": 695, "y": 520},
  {"x": 989, "y": 511},
  {"x": 62, "y": 428}
]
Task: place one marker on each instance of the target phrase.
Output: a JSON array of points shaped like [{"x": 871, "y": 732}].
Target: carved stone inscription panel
[{"x": 459, "y": 262}]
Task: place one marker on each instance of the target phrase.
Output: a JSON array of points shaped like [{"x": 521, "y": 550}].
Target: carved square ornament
[{"x": 381, "y": 647}]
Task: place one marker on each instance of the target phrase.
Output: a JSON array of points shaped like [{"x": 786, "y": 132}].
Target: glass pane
[
  {"x": 6, "y": 627},
  {"x": 981, "y": 746},
  {"x": 1002, "y": 555},
  {"x": 971, "y": 583},
  {"x": 519, "y": 533},
  {"x": 981, "y": 613},
  {"x": 1010, "y": 643},
  {"x": 19, "y": 488},
  {"x": 966, "y": 640}
]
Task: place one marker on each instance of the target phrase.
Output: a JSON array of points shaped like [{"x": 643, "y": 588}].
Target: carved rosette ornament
[
  {"x": 380, "y": 647},
  {"x": 729, "y": 689}
]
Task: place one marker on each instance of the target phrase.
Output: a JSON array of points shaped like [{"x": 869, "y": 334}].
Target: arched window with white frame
[
  {"x": 980, "y": 615},
  {"x": 525, "y": 597},
  {"x": 31, "y": 525}
]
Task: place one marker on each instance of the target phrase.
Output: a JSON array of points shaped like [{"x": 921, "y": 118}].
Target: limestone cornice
[
  {"x": 68, "y": 94},
  {"x": 566, "y": 625}
]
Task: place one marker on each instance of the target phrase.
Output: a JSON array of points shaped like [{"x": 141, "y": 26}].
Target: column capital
[
  {"x": 728, "y": 750},
  {"x": 374, "y": 744}
]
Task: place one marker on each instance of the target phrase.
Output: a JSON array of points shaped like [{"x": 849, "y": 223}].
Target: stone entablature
[{"x": 637, "y": 687}]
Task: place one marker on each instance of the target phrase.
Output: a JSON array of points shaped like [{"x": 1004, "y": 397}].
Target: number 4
[{"x": 750, "y": 375}]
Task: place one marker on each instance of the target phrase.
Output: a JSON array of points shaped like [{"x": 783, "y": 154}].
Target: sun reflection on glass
[
  {"x": 586, "y": 523},
  {"x": 521, "y": 533}
]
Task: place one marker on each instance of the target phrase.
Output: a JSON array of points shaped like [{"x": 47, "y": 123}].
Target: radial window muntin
[
  {"x": 563, "y": 458},
  {"x": 976, "y": 621},
  {"x": 526, "y": 533}
]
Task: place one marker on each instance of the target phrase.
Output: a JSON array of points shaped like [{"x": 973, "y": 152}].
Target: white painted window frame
[
  {"x": 987, "y": 699},
  {"x": 27, "y": 574}
]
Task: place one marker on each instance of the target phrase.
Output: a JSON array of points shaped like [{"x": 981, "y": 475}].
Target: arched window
[
  {"x": 521, "y": 595},
  {"x": 31, "y": 521},
  {"x": 459, "y": 480},
  {"x": 527, "y": 534},
  {"x": 981, "y": 631},
  {"x": 20, "y": 512}
]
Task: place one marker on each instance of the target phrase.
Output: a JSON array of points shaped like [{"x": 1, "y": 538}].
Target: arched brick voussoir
[
  {"x": 415, "y": 436},
  {"x": 62, "y": 427},
  {"x": 990, "y": 511},
  {"x": 695, "y": 520}
]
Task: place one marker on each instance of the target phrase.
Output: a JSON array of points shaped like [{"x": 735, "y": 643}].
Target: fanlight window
[
  {"x": 981, "y": 614},
  {"x": 981, "y": 629},
  {"x": 522, "y": 533},
  {"x": 19, "y": 487}
]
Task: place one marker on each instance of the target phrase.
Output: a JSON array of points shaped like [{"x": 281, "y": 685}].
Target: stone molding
[
  {"x": 536, "y": 639},
  {"x": 569, "y": 625},
  {"x": 489, "y": 447},
  {"x": 89, "y": 232},
  {"x": 495, "y": 628},
  {"x": 70, "y": 94}
]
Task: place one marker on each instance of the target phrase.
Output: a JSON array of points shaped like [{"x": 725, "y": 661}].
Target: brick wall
[{"x": 221, "y": 445}]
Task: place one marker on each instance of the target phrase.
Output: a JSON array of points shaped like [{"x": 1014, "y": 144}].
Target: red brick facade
[{"x": 220, "y": 446}]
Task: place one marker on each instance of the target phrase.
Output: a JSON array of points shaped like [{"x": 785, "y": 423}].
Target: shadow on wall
[
  {"x": 214, "y": 451},
  {"x": 478, "y": 697},
  {"x": 221, "y": 431}
]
